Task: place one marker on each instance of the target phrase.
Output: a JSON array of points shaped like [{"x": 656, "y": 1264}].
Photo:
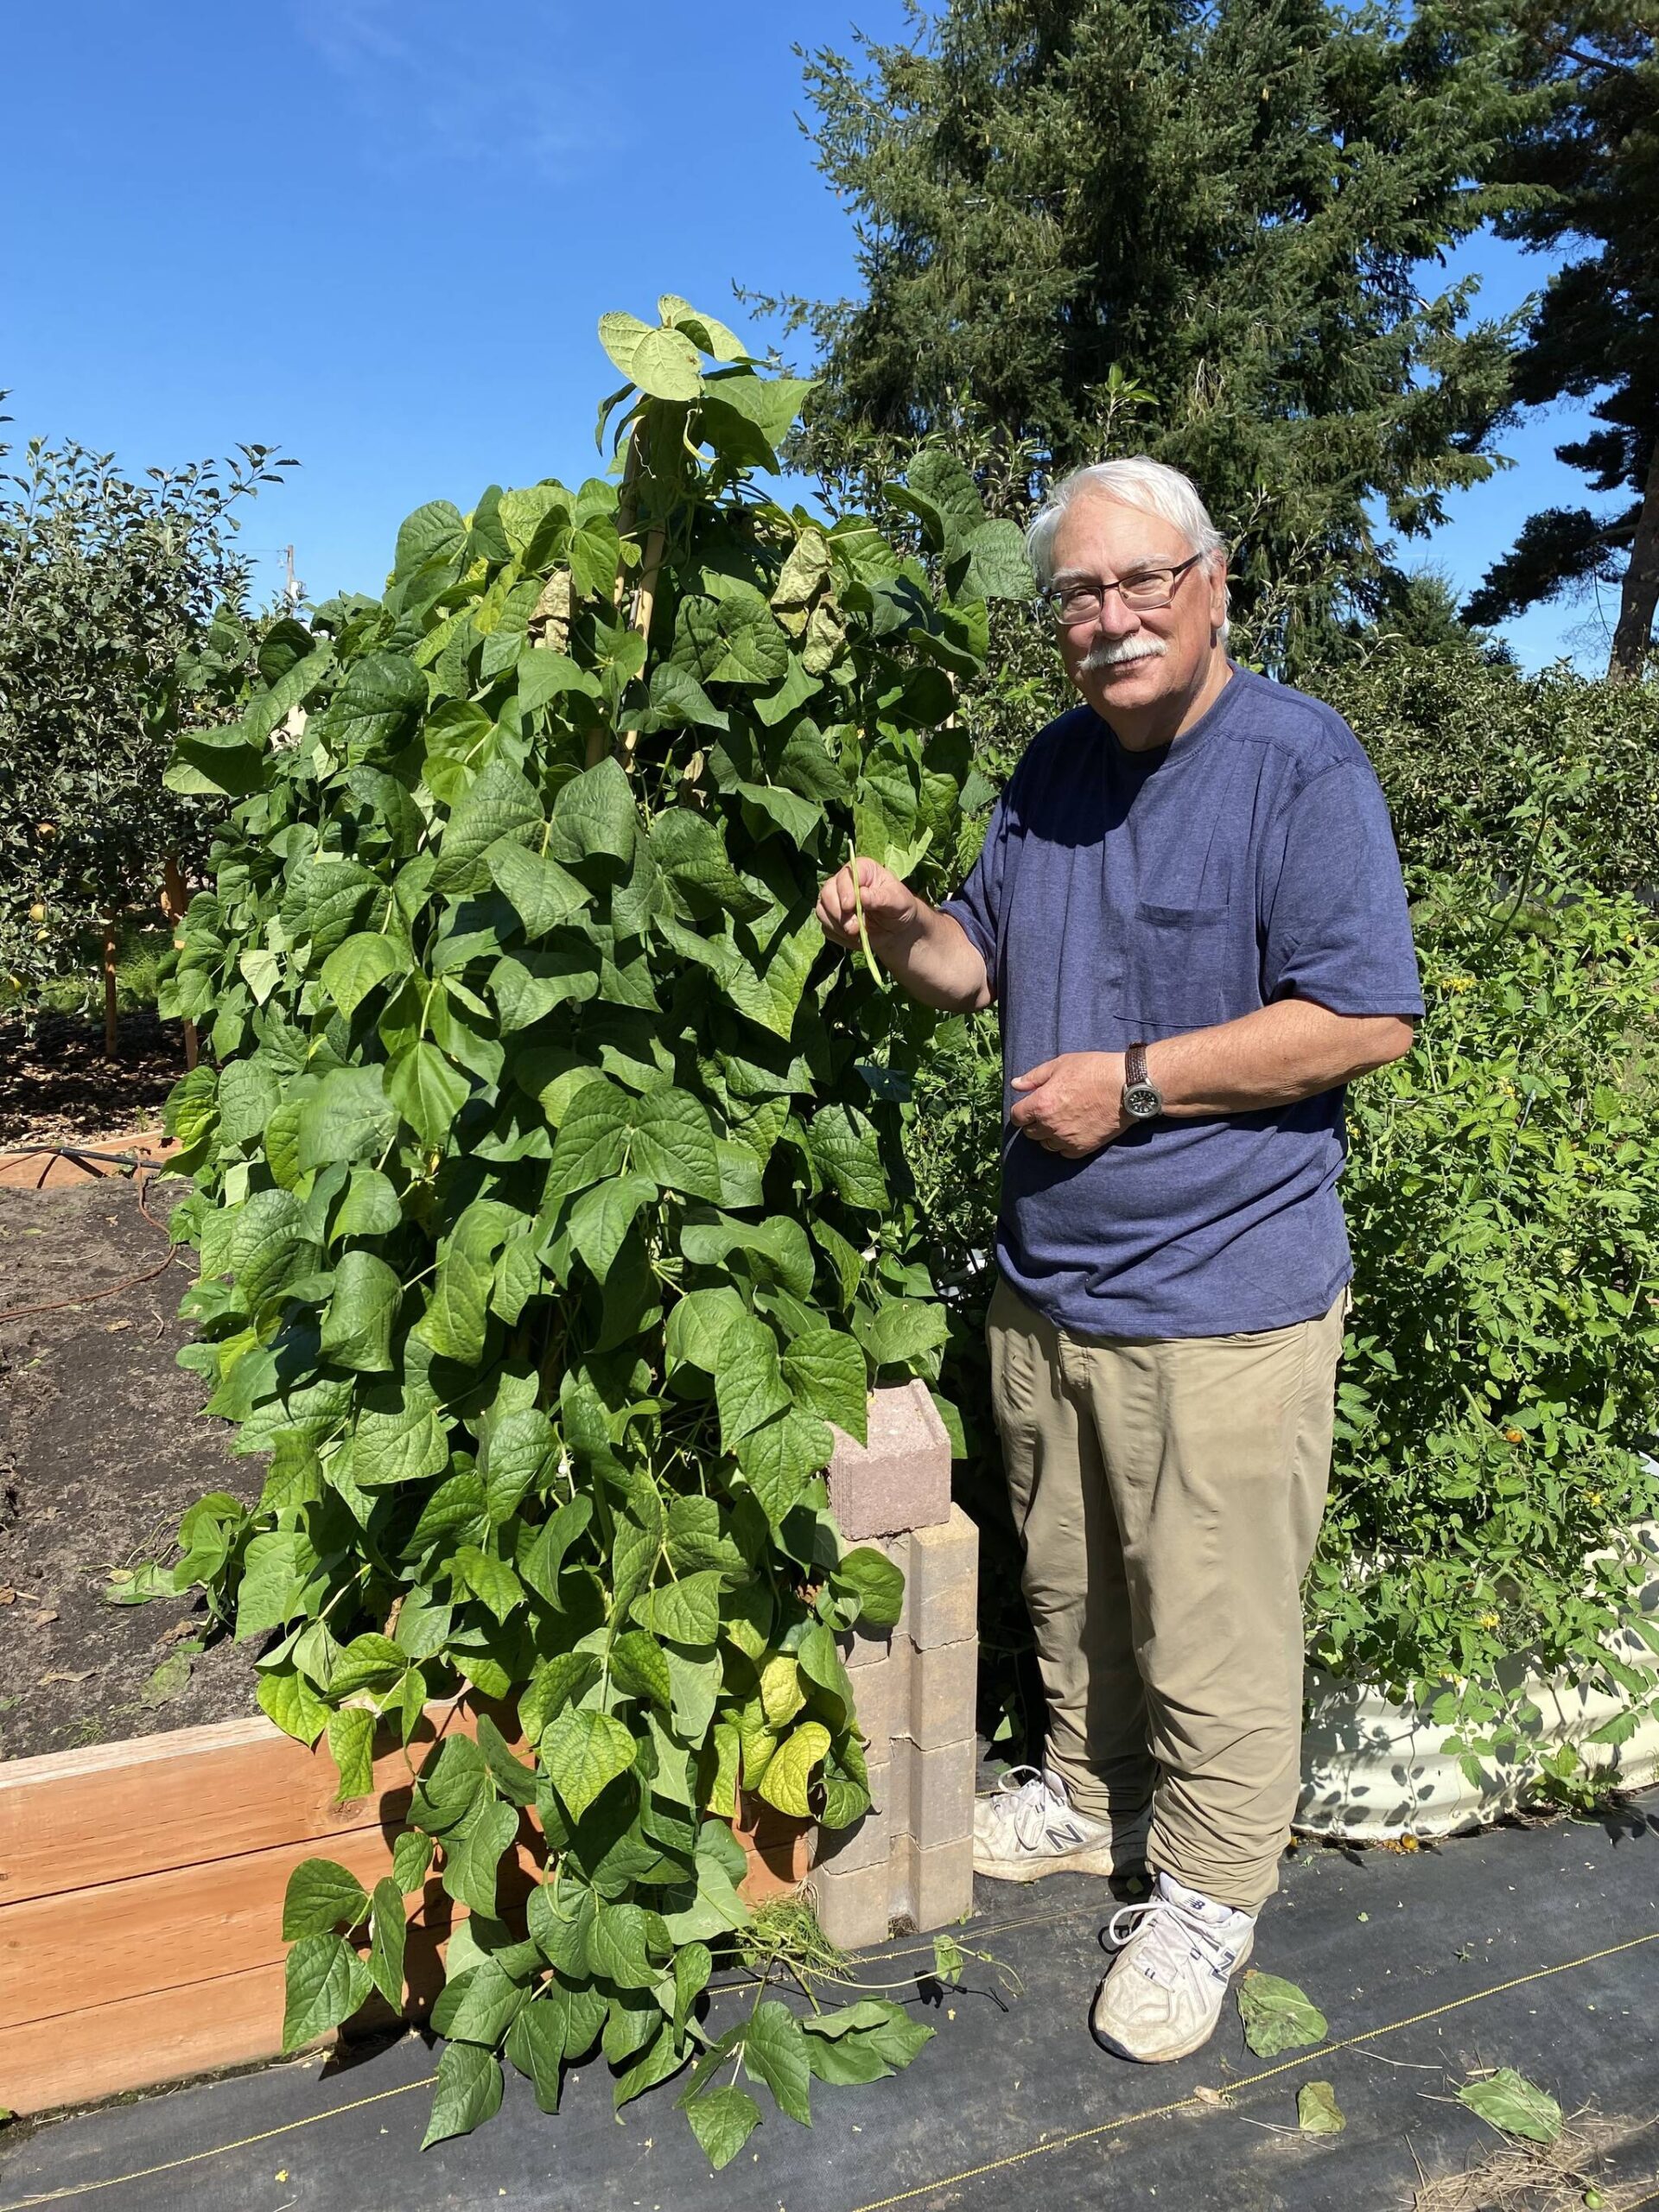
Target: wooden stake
[
  {"x": 109, "y": 990},
  {"x": 175, "y": 900}
]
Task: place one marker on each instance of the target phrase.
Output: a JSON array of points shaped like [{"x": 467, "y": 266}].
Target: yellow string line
[
  {"x": 218, "y": 2151},
  {"x": 1089, "y": 1910},
  {"x": 1250, "y": 2081},
  {"x": 969, "y": 2173},
  {"x": 736, "y": 1984}
]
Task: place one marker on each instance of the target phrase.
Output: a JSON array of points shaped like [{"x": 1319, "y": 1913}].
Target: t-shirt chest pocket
[{"x": 1185, "y": 963}]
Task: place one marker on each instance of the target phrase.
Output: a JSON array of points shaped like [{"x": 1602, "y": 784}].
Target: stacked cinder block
[{"x": 911, "y": 1856}]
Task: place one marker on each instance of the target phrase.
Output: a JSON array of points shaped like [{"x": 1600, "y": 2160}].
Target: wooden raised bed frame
[
  {"x": 141, "y": 1898},
  {"x": 141, "y": 1882}
]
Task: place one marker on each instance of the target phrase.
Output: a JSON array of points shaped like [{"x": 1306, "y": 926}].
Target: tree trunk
[
  {"x": 109, "y": 989},
  {"x": 1641, "y": 592}
]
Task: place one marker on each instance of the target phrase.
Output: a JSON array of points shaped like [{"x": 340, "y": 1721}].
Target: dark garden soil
[
  {"x": 57, "y": 1083},
  {"x": 102, "y": 1446}
]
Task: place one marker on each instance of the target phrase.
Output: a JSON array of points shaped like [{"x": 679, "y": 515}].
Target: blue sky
[{"x": 379, "y": 234}]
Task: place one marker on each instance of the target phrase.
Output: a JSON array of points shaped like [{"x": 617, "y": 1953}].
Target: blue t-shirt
[{"x": 1123, "y": 897}]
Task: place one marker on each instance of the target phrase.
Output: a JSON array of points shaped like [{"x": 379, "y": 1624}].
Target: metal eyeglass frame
[{"x": 1052, "y": 599}]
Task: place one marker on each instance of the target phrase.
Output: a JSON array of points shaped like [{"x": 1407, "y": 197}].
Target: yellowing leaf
[
  {"x": 1318, "y": 2111},
  {"x": 789, "y": 1768},
  {"x": 781, "y": 1695}
]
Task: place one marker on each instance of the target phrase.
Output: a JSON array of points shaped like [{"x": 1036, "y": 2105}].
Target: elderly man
[{"x": 1189, "y": 915}]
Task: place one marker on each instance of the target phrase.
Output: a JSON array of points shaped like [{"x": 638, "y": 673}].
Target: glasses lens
[
  {"x": 1149, "y": 588},
  {"x": 1072, "y": 607}
]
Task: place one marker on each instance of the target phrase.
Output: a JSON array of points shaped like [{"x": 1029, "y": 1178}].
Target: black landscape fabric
[{"x": 1535, "y": 1948}]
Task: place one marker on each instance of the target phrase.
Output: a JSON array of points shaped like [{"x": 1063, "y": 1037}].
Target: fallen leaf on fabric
[
  {"x": 1318, "y": 2111},
  {"x": 1277, "y": 2015},
  {"x": 1507, "y": 2101}
]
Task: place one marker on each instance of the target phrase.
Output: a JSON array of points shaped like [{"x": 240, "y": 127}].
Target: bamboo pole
[
  {"x": 645, "y": 596},
  {"x": 626, "y": 506},
  {"x": 597, "y": 745},
  {"x": 644, "y": 606}
]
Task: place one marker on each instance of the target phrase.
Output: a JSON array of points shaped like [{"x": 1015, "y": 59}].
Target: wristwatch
[{"x": 1143, "y": 1100}]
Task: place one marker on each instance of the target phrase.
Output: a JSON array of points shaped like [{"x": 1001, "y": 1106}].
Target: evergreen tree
[
  {"x": 1089, "y": 225},
  {"x": 1592, "y": 164}
]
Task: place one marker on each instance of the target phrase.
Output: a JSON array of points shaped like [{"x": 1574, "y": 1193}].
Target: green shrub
[
  {"x": 1470, "y": 752},
  {"x": 551, "y": 1204},
  {"x": 109, "y": 588},
  {"x": 140, "y": 951},
  {"x": 1503, "y": 1200}
]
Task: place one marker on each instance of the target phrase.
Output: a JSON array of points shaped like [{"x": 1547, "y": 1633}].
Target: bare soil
[
  {"x": 102, "y": 1445},
  {"x": 55, "y": 1081}
]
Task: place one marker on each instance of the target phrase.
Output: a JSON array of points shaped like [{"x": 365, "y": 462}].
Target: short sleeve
[
  {"x": 978, "y": 905},
  {"x": 1333, "y": 902}
]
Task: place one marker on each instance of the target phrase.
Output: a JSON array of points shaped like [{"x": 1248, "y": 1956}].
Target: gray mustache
[{"x": 1099, "y": 657}]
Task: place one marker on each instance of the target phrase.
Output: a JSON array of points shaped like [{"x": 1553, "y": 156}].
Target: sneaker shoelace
[
  {"x": 1026, "y": 1804},
  {"x": 1168, "y": 1936}
]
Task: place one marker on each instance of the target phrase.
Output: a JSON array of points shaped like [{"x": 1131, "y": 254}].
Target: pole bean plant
[{"x": 550, "y": 1205}]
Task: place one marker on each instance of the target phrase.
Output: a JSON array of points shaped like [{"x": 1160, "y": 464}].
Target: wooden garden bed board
[
  {"x": 81, "y": 1949},
  {"x": 72, "y": 1819},
  {"x": 140, "y": 1896},
  {"x": 142, "y": 2041}
]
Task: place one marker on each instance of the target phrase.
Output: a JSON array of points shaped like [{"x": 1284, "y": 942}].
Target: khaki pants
[{"x": 1169, "y": 1496}]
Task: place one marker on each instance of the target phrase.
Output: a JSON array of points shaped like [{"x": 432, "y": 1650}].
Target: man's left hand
[{"x": 1072, "y": 1105}]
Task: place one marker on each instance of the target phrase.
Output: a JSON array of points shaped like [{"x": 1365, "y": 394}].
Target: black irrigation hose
[
  {"x": 140, "y": 1167},
  {"x": 84, "y": 1152}
]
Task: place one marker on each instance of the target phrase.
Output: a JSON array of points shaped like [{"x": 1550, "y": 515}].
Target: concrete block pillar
[{"x": 910, "y": 1858}]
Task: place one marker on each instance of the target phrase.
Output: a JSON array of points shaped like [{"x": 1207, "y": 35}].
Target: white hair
[{"x": 1136, "y": 481}]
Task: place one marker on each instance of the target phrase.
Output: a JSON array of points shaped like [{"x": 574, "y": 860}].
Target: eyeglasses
[{"x": 1148, "y": 587}]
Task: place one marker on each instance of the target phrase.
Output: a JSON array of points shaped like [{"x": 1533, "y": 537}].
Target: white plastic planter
[{"x": 1373, "y": 1770}]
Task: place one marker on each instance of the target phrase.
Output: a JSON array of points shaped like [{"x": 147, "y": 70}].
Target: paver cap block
[{"x": 900, "y": 1478}]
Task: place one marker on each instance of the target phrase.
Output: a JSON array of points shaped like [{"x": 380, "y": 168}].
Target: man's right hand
[
  {"x": 926, "y": 952},
  {"x": 889, "y": 907}
]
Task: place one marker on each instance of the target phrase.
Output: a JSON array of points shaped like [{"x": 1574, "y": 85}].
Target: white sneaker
[
  {"x": 1028, "y": 1827},
  {"x": 1176, "y": 1955}
]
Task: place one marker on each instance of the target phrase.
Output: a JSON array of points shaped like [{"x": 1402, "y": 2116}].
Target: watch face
[{"x": 1142, "y": 1102}]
